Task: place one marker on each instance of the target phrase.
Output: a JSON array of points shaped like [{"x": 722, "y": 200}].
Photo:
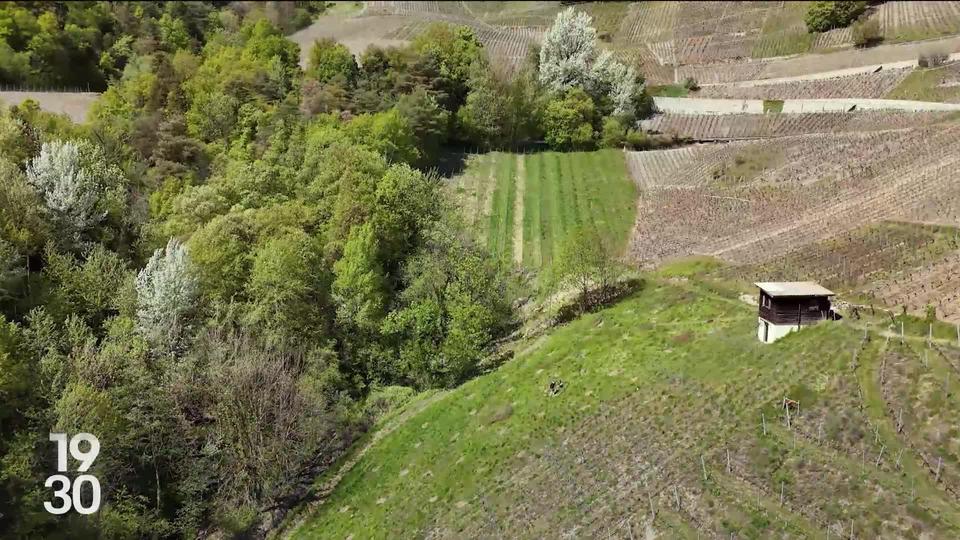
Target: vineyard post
[
  {"x": 653, "y": 513},
  {"x": 676, "y": 495},
  {"x": 939, "y": 462},
  {"x": 882, "y": 448},
  {"x": 763, "y": 420},
  {"x": 703, "y": 467},
  {"x": 781, "y": 493},
  {"x": 728, "y": 461},
  {"x": 899, "y": 455}
]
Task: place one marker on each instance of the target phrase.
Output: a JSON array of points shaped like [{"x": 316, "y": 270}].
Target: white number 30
[
  {"x": 76, "y": 501},
  {"x": 74, "y": 498}
]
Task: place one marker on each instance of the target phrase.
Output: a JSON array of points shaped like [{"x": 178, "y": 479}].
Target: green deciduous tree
[
  {"x": 827, "y": 15},
  {"x": 359, "y": 286},
  {"x": 585, "y": 262},
  {"x": 330, "y": 61},
  {"x": 568, "y": 120}
]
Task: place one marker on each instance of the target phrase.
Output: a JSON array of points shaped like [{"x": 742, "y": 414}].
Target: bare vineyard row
[
  {"x": 866, "y": 85},
  {"x": 757, "y": 222},
  {"x": 933, "y": 16},
  {"x": 632, "y": 463},
  {"x": 754, "y": 126}
]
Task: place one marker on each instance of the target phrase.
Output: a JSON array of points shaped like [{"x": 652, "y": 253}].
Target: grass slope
[
  {"x": 671, "y": 405},
  {"x": 522, "y": 205},
  {"x": 926, "y": 85}
]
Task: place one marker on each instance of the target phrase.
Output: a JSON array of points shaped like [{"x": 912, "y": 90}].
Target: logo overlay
[{"x": 71, "y": 494}]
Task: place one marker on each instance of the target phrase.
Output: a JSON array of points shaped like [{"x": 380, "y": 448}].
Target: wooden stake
[
  {"x": 703, "y": 467},
  {"x": 764, "y": 421},
  {"x": 900, "y": 421},
  {"x": 676, "y": 495},
  {"x": 781, "y": 493},
  {"x": 882, "y": 448},
  {"x": 899, "y": 455},
  {"x": 820, "y": 432},
  {"x": 939, "y": 462},
  {"x": 653, "y": 513}
]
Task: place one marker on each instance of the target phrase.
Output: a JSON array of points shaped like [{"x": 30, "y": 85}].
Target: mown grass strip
[{"x": 532, "y": 257}]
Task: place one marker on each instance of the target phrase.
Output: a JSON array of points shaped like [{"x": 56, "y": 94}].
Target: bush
[
  {"x": 823, "y": 16},
  {"x": 866, "y": 33},
  {"x": 384, "y": 400},
  {"x": 614, "y": 133},
  {"x": 568, "y": 121},
  {"x": 932, "y": 59},
  {"x": 691, "y": 84}
]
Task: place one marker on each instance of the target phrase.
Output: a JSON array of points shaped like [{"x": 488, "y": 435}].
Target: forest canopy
[{"x": 235, "y": 249}]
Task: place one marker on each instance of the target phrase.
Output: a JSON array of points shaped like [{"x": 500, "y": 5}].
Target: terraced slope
[
  {"x": 892, "y": 265},
  {"x": 825, "y": 186},
  {"x": 710, "y": 127},
  {"x": 522, "y": 205},
  {"x": 671, "y": 423}
]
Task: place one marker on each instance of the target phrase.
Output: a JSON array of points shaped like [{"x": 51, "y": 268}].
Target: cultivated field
[
  {"x": 907, "y": 21},
  {"x": 522, "y": 205},
  {"x": 671, "y": 424},
  {"x": 863, "y": 85},
  {"x": 754, "y": 126},
  {"x": 891, "y": 265},
  {"x": 826, "y": 185}
]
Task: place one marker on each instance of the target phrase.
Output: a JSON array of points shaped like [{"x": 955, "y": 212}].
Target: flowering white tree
[
  {"x": 166, "y": 293},
  {"x": 570, "y": 57},
  {"x": 615, "y": 80},
  {"x": 76, "y": 183},
  {"x": 68, "y": 190},
  {"x": 569, "y": 51}
]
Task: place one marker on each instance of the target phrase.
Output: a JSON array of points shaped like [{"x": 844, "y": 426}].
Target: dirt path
[
  {"x": 518, "y": 210},
  {"x": 331, "y": 484},
  {"x": 73, "y": 104},
  {"x": 356, "y": 32}
]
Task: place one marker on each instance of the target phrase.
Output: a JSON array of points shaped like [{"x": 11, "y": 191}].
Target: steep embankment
[{"x": 670, "y": 419}]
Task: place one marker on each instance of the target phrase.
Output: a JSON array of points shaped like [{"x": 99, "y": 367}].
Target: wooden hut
[{"x": 790, "y": 305}]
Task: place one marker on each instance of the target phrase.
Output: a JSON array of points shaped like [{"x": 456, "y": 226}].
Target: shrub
[
  {"x": 866, "y": 33},
  {"x": 614, "y": 133},
  {"x": 691, "y": 84},
  {"x": 772, "y": 105},
  {"x": 932, "y": 59},
  {"x": 823, "y": 16}
]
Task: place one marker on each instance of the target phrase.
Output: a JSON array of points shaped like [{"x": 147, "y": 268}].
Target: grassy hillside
[
  {"x": 670, "y": 422},
  {"x": 522, "y": 205}
]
